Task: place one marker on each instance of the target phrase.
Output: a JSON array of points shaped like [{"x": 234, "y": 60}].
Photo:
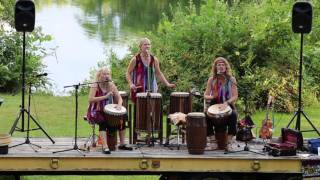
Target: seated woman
[
  {"x": 101, "y": 93},
  {"x": 222, "y": 89}
]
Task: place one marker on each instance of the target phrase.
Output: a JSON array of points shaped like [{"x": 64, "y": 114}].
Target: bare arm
[
  {"x": 234, "y": 91},
  {"x": 207, "y": 95},
  {"x": 92, "y": 97},
  {"x": 117, "y": 95},
  {"x": 160, "y": 75},
  {"x": 128, "y": 73}
]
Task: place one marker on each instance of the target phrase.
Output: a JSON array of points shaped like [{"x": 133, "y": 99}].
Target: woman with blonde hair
[
  {"x": 104, "y": 92},
  {"x": 222, "y": 89},
  {"x": 143, "y": 70}
]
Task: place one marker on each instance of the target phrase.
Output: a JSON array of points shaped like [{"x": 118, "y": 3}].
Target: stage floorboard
[{"x": 143, "y": 159}]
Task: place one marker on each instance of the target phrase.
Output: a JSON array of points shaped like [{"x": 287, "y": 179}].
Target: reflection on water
[{"x": 85, "y": 31}]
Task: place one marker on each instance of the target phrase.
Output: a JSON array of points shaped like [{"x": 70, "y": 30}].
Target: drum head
[
  {"x": 152, "y": 95},
  {"x": 217, "y": 109},
  {"x": 180, "y": 94},
  {"x": 196, "y": 114},
  {"x": 123, "y": 93},
  {"x": 113, "y": 110}
]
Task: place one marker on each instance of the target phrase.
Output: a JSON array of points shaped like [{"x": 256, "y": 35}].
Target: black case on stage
[{"x": 291, "y": 141}]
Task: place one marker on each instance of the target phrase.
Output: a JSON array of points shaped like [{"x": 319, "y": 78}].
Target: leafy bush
[
  {"x": 255, "y": 36},
  {"x": 11, "y": 43}
]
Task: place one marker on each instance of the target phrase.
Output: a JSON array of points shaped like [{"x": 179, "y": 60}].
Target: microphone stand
[
  {"x": 75, "y": 147},
  {"x": 150, "y": 116}
]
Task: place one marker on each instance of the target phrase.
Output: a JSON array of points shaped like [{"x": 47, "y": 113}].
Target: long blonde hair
[
  {"x": 214, "y": 66},
  {"x": 104, "y": 85}
]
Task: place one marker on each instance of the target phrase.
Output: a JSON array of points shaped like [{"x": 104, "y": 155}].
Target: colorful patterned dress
[{"x": 143, "y": 76}]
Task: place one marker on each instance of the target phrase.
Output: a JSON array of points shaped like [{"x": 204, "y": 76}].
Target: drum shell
[
  {"x": 181, "y": 104},
  {"x": 124, "y": 96},
  {"x": 114, "y": 120},
  {"x": 196, "y": 134},
  {"x": 222, "y": 140},
  {"x": 219, "y": 119},
  {"x": 112, "y": 140},
  {"x": 143, "y": 111}
]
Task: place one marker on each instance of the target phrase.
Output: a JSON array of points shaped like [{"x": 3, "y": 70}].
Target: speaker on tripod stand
[
  {"x": 301, "y": 23},
  {"x": 24, "y": 22}
]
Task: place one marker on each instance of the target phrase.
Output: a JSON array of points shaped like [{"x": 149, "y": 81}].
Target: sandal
[
  {"x": 125, "y": 147},
  {"x": 106, "y": 151}
]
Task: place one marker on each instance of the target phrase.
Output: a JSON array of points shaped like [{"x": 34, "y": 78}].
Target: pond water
[{"x": 85, "y": 31}]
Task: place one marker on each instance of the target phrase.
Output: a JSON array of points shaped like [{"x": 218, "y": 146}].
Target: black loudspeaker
[
  {"x": 301, "y": 17},
  {"x": 24, "y": 15}
]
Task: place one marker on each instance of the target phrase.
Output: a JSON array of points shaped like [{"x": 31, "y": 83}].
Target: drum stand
[
  {"x": 75, "y": 147},
  {"x": 150, "y": 118}
]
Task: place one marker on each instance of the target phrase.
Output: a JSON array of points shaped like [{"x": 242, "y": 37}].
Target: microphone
[
  {"x": 42, "y": 74},
  {"x": 195, "y": 92},
  {"x": 221, "y": 74}
]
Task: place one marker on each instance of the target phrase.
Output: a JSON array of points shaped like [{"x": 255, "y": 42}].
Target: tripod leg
[
  {"x": 168, "y": 130},
  {"x": 315, "y": 129},
  {"x": 31, "y": 145},
  {"x": 63, "y": 150},
  {"x": 295, "y": 114},
  {"x": 135, "y": 135},
  {"x": 17, "y": 145},
  {"x": 15, "y": 122},
  {"x": 41, "y": 129},
  {"x": 80, "y": 151},
  {"x": 129, "y": 115}
]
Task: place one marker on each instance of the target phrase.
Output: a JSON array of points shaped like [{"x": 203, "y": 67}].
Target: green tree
[
  {"x": 11, "y": 50},
  {"x": 255, "y": 36}
]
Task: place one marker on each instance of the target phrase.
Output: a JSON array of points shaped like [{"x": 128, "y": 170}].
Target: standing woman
[
  {"x": 102, "y": 93},
  {"x": 143, "y": 70},
  {"x": 222, "y": 89}
]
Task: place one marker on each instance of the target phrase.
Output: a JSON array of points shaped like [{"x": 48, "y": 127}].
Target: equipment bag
[{"x": 313, "y": 145}]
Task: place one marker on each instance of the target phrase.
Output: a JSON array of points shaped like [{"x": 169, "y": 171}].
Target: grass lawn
[{"x": 56, "y": 115}]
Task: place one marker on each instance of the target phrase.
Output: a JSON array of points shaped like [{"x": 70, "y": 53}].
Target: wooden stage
[{"x": 146, "y": 160}]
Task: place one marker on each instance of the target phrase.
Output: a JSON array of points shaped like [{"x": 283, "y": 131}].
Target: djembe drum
[
  {"x": 196, "y": 132},
  {"x": 115, "y": 116},
  {"x": 124, "y": 96},
  {"x": 219, "y": 116},
  {"x": 148, "y": 111},
  {"x": 180, "y": 102}
]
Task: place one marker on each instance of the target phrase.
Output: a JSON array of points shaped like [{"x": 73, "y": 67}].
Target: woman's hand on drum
[
  {"x": 225, "y": 105},
  {"x": 133, "y": 87},
  {"x": 171, "y": 85},
  {"x": 118, "y": 107},
  {"x": 208, "y": 97}
]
